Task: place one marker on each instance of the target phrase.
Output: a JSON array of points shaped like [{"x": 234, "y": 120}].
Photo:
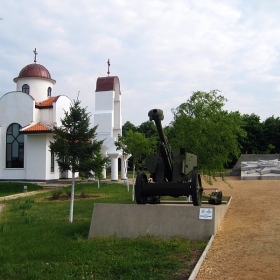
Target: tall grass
[{"x": 38, "y": 242}]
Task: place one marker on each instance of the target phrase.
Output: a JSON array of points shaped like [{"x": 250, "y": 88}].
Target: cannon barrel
[{"x": 157, "y": 116}]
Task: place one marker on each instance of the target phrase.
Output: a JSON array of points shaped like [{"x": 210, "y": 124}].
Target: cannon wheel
[
  {"x": 196, "y": 189},
  {"x": 140, "y": 181}
]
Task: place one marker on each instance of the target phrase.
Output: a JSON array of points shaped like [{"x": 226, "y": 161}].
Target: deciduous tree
[
  {"x": 136, "y": 144},
  {"x": 204, "y": 128}
]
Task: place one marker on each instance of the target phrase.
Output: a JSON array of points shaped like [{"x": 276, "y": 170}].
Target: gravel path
[{"x": 247, "y": 245}]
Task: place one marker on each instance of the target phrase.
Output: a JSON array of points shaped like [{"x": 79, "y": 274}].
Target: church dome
[{"x": 34, "y": 71}]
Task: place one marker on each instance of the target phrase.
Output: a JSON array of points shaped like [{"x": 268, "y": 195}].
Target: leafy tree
[
  {"x": 262, "y": 137},
  {"x": 271, "y": 134},
  {"x": 136, "y": 144},
  {"x": 75, "y": 146},
  {"x": 253, "y": 142},
  {"x": 127, "y": 126},
  {"x": 202, "y": 127},
  {"x": 148, "y": 128}
]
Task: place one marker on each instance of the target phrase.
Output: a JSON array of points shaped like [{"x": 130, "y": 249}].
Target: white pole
[
  {"x": 133, "y": 192},
  {"x": 72, "y": 198},
  {"x": 133, "y": 184}
]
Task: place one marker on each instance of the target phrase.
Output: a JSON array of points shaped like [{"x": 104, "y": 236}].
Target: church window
[
  {"x": 52, "y": 161},
  {"x": 25, "y": 88},
  {"x": 14, "y": 147},
  {"x": 49, "y": 91}
]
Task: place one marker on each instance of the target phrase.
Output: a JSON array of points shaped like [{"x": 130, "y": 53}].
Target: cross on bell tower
[
  {"x": 108, "y": 62},
  {"x": 35, "y": 53}
]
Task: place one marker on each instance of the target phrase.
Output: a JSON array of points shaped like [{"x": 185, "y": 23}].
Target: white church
[{"x": 29, "y": 114}]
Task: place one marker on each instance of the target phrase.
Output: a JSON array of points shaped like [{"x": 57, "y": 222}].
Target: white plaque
[{"x": 206, "y": 214}]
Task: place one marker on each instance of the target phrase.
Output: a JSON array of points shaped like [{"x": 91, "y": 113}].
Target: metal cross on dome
[
  {"x": 35, "y": 52},
  {"x": 108, "y": 62}
]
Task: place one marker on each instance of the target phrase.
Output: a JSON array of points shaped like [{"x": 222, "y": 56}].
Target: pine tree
[{"x": 75, "y": 146}]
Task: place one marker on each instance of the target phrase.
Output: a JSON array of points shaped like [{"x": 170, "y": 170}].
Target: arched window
[
  {"x": 14, "y": 147},
  {"x": 25, "y": 88},
  {"x": 49, "y": 91}
]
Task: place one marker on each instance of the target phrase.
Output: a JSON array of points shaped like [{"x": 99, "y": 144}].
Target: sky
[{"x": 161, "y": 50}]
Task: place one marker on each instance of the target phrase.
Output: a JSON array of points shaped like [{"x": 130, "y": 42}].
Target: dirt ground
[{"x": 247, "y": 244}]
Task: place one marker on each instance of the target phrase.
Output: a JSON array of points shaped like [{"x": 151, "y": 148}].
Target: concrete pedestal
[{"x": 162, "y": 220}]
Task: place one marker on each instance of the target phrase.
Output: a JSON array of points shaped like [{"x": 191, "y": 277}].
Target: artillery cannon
[{"x": 172, "y": 173}]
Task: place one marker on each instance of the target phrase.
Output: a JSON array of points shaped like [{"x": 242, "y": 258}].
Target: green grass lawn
[
  {"x": 38, "y": 242},
  {"x": 9, "y": 188}
]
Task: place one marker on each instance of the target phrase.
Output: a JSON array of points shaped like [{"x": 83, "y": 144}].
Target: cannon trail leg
[
  {"x": 196, "y": 189},
  {"x": 140, "y": 181}
]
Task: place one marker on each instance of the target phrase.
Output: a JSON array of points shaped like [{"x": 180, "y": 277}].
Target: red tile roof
[
  {"x": 37, "y": 128},
  {"x": 46, "y": 103}
]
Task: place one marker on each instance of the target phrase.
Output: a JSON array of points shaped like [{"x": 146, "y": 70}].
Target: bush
[
  {"x": 56, "y": 194},
  {"x": 68, "y": 192},
  {"x": 84, "y": 195}
]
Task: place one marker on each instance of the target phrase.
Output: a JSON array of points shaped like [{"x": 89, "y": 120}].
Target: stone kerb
[{"x": 14, "y": 196}]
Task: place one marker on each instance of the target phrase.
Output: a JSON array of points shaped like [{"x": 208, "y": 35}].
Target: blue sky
[{"x": 161, "y": 50}]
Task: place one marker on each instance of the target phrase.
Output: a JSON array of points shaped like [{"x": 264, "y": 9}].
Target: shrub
[
  {"x": 56, "y": 194},
  {"x": 68, "y": 192},
  {"x": 84, "y": 195}
]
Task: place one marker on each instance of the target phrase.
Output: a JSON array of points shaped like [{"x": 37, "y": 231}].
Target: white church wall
[
  {"x": 16, "y": 107},
  {"x": 117, "y": 129},
  {"x": 104, "y": 101},
  {"x": 103, "y": 114},
  {"x": 38, "y": 87},
  {"x": 35, "y": 157},
  {"x": 45, "y": 116},
  {"x": 61, "y": 105},
  {"x": 117, "y": 88},
  {"x": 49, "y": 174},
  {"x": 104, "y": 122},
  {"x": 13, "y": 174},
  {"x": 37, "y": 116}
]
